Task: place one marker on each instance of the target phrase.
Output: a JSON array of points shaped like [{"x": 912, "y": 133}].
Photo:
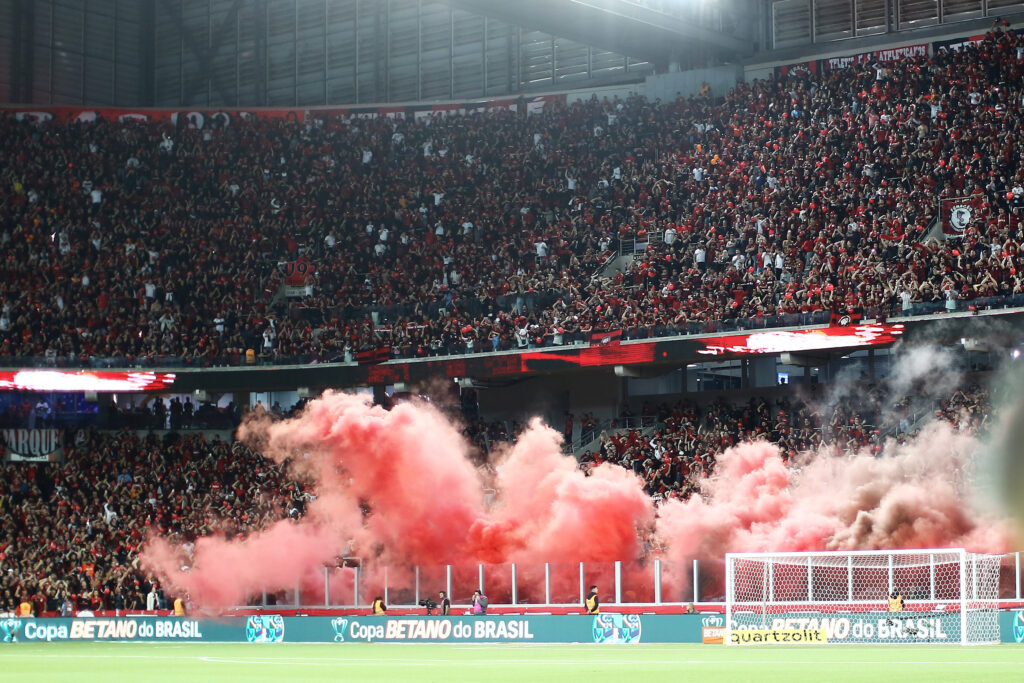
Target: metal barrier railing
[{"x": 652, "y": 582}]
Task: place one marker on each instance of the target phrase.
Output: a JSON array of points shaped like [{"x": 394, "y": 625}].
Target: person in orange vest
[
  {"x": 25, "y": 608},
  {"x": 378, "y": 607},
  {"x": 592, "y": 604}
]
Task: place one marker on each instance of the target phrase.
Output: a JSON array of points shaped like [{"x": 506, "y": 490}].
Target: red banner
[
  {"x": 609, "y": 338},
  {"x": 373, "y": 356},
  {"x": 190, "y": 119},
  {"x": 798, "y": 69},
  {"x": 201, "y": 118},
  {"x": 522, "y": 105}
]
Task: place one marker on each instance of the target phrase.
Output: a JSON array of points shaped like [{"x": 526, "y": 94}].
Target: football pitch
[{"x": 450, "y": 663}]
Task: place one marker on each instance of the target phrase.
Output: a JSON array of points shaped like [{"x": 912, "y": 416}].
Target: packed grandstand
[{"x": 784, "y": 202}]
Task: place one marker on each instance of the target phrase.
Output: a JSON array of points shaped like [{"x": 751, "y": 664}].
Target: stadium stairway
[{"x": 646, "y": 426}]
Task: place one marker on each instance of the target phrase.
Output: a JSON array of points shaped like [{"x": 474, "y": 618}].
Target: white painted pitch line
[
  {"x": 389, "y": 660},
  {"x": 331, "y": 661}
]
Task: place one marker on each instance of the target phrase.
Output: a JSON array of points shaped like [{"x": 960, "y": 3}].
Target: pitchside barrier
[{"x": 792, "y": 628}]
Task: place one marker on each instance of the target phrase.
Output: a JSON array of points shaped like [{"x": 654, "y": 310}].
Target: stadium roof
[{"x": 629, "y": 28}]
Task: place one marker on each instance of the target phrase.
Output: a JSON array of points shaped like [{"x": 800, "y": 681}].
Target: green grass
[{"x": 450, "y": 663}]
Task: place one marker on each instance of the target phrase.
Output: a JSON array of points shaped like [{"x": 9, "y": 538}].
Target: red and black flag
[
  {"x": 374, "y": 356},
  {"x": 607, "y": 338}
]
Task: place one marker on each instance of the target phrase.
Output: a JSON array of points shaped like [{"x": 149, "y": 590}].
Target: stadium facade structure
[{"x": 249, "y": 53}]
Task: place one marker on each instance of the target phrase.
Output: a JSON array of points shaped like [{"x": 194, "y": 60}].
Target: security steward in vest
[
  {"x": 896, "y": 608},
  {"x": 378, "y": 607},
  {"x": 592, "y": 604}
]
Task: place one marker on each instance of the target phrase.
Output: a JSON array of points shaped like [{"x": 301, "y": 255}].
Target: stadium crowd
[
  {"x": 70, "y": 533},
  {"x": 783, "y": 202}
]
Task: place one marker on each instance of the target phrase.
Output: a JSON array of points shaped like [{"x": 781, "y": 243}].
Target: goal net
[{"x": 948, "y": 596}]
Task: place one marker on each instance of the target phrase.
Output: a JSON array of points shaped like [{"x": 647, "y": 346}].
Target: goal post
[{"x": 948, "y": 596}]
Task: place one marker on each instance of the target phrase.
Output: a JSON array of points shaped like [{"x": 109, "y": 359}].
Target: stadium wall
[
  {"x": 831, "y": 55},
  {"x": 603, "y": 628},
  {"x": 666, "y": 87}
]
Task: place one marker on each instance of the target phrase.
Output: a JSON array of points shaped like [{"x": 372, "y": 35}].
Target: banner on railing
[
  {"x": 808, "y": 68},
  {"x": 33, "y": 445},
  {"x": 222, "y": 118},
  {"x": 892, "y": 54},
  {"x": 608, "y": 338}
]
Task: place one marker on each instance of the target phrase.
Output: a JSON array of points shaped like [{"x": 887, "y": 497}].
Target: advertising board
[
  {"x": 525, "y": 628},
  {"x": 273, "y": 628}
]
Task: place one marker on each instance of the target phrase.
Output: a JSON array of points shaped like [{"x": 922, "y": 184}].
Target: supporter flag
[
  {"x": 374, "y": 356},
  {"x": 298, "y": 271},
  {"x": 799, "y": 69},
  {"x": 845, "y": 319},
  {"x": 607, "y": 338},
  {"x": 958, "y": 214}
]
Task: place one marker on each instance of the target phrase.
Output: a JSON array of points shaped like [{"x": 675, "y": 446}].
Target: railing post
[
  {"x": 696, "y": 579},
  {"x": 583, "y": 592},
  {"x": 386, "y": 600},
  {"x": 448, "y": 581},
  {"x": 931, "y": 573},
  {"x": 657, "y": 582},
  {"x": 417, "y": 574},
  {"x": 547, "y": 583},
  {"x": 327, "y": 586},
  {"x": 514, "y": 592},
  {"x": 480, "y": 570},
  {"x": 849, "y": 578},
  {"x": 1017, "y": 564},
  {"x": 618, "y": 582},
  {"x": 355, "y": 587},
  {"x": 810, "y": 578}
]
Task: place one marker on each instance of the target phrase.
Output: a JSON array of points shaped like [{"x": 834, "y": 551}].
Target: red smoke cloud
[
  {"x": 914, "y": 496},
  {"x": 411, "y": 466}
]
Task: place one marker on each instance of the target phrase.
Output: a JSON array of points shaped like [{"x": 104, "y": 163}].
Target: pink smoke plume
[
  {"x": 913, "y": 496},
  {"x": 430, "y": 506},
  {"x": 412, "y": 468}
]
